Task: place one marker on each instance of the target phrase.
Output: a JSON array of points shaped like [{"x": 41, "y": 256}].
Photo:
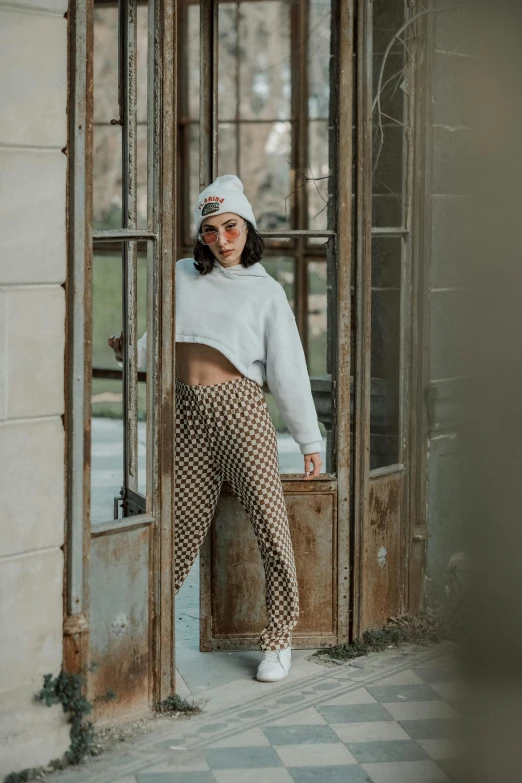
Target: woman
[{"x": 234, "y": 328}]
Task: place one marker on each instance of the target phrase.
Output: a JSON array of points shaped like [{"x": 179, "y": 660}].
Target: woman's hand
[
  {"x": 316, "y": 464},
  {"x": 116, "y": 343}
]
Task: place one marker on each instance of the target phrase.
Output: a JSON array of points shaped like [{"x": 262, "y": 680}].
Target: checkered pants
[{"x": 224, "y": 433}]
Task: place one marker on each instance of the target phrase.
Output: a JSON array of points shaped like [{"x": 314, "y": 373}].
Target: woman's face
[{"x": 227, "y": 250}]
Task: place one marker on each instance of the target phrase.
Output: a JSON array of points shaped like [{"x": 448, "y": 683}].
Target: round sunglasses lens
[
  {"x": 231, "y": 233},
  {"x": 210, "y": 238}
]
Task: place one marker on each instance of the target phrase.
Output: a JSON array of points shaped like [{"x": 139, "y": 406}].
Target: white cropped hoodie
[{"x": 244, "y": 313}]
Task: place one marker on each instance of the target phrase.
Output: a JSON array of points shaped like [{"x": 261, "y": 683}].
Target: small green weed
[
  {"x": 173, "y": 704},
  {"x": 425, "y": 628},
  {"x": 66, "y": 689}
]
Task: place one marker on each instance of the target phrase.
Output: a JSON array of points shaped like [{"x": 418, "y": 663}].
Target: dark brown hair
[{"x": 252, "y": 252}]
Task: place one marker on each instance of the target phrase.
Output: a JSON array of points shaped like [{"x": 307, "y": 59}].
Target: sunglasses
[{"x": 211, "y": 237}]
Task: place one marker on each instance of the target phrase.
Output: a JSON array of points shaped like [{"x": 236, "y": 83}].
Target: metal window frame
[{"x": 292, "y": 243}]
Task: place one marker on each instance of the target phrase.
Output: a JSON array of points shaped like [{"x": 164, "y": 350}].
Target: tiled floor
[{"x": 389, "y": 722}]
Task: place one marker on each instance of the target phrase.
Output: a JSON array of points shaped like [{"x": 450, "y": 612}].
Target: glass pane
[
  {"x": 290, "y": 457},
  {"x": 319, "y": 171},
  {"x": 228, "y": 162},
  {"x": 228, "y": 69},
  {"x": 142, "y": 175},
  {"x": 386, "y": 262},
  {"x": 191, "y": 52},
  {"x": 107, "y": 177},
  {"x": 317, "y": 353},
  {"x": 385, "y": 353},
  {"x": 386, "y": 15},
  {"x": 317, "y": 315},
  {"x": 389, "y": 117},
  {"x": 319, "y": 59},
  {"x": 142, "y": 385},
  {"x": 190, "y": 151},
  {"x": 141, "y": 70},
  {"x": 282, "y": 270},
  {"x": 107, "y": 422},
  {"x": 388, "y": 166},
  {"x": 264, "y": 60},
  {"x": 107, "y": 396},
  {"x": 265, "y": 171},
  {"x": 105, "y": 65},
  {"x": 141, "y": 75}
]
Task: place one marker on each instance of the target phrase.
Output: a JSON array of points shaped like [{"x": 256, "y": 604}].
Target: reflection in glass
[
  {"x": 227, "y": 146},
  {"x": 107, "y": 396},
  {"x": 319, "y": 59},
  {"x": 107, "y": 158},
  {"x": 191, "y": 53},
  {"x": 317, "y": 314},
  {"x": 385, "y": 353},
  {"x": 228, "y": 54},
  {"x": 264, "y": 60},
  {"x": 318, "y": 189},
  {"x": 265, "y": 171},
  {"x": 107, "y": 153},
  {"x": 105, "y": 63},
  {"x": 283, "y": 270},
  {"x": 141, "y": 61},
  {"x": 389, "y": 117}
]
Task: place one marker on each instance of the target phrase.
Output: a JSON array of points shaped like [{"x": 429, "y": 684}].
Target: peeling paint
[
  {"x": 120, "y": 623},
  {"x": 382, "y": 556}
]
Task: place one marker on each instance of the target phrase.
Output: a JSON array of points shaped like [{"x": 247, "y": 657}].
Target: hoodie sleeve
[
  {"x": 288, "y": 380},
  {"x": 142, "y": 354}
]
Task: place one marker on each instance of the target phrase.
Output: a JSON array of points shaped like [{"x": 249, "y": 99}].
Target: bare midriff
[{"x": 198, "y": 364}]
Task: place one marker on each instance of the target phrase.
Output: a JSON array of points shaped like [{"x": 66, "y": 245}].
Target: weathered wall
[
  {"x": 449, "y": 204},
  {"x": 33, "y": 131}
]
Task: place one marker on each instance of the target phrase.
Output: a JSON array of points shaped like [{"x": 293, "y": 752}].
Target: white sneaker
[{"x": 274, "y": 665}]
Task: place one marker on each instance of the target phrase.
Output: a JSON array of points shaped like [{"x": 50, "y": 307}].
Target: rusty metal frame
[
  {"x": 127, "y": 10},
  {"x": 341, "y": 213},
  {"x": 208, "y": 92},
  {"x": 160, "y": 237},
  {"x": 363, "y": 195},
  {"x": 299, "y": 22},
  {"x": 421, "y": 239},
  {"x": 78, "y": 356},
  {"x": 161, "y": 356}
]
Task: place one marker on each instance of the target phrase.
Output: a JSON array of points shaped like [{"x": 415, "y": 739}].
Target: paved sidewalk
[{"x": 386, "y": 718}]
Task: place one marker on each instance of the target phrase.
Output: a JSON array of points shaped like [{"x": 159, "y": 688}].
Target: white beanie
[{"x": 225, "y": 194}]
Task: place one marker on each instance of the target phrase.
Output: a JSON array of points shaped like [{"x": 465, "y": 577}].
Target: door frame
[
  {"x": 161, "y": 240},
  {"x": 340, "y": 249}
]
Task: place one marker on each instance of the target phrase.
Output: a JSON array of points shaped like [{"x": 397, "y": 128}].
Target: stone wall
[
  {"x": 448, "y": 207},
  {"x": 33, "y": 135}
]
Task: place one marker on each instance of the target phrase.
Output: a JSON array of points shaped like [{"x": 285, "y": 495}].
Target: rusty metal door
[
  {"x": 119, "y": 581},
  {"x": 301, "y": 53}
]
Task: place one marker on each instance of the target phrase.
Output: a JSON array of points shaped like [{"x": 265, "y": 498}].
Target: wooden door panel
[{"x": 233, "y": 582}]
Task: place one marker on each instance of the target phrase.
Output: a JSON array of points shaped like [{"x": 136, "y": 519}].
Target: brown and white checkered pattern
[{"x": 224, "y": 433}]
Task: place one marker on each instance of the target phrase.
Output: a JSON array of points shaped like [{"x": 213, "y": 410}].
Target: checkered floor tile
[{"x": 391, "y": 725}]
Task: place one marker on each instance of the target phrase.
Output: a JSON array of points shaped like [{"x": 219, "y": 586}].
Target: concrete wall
[
  {"x": 449, "y": 204},
  {"x": 33, "y": 134}
]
